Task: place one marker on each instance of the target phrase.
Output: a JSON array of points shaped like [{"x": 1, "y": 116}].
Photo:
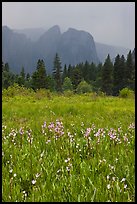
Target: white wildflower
[
  {"x": 113, "y": 178},
  {"x": 125, "y": 185},
  {"x": 37, "y": 175},
  {"x": 108, "y": 186},
  {"x": 123, "y": 179},
  {"x": 58, "y": 170},
  {"x": 33, "y": 181}
]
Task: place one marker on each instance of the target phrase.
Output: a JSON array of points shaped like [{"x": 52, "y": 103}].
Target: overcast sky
[{"x": 108, "y": 22}]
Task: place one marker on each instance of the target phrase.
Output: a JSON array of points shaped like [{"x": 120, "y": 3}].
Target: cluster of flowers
[
  {"x": 69, "y": 164},
  {"x": 56, "y": 128},
  {"x": 114, "y": 181},
  {"x": 29, "y": 138},
  {"x": 115, "y": 135}
]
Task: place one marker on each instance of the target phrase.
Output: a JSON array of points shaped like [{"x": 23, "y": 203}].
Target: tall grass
[{"x": 74, "y": 148}]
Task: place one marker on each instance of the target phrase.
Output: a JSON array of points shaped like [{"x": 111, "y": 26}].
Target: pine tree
[
  {"x": 118, "y": 74},
  {"x": 97, "y": 84},
  {"x": 107, "y": 80},
  {"x": 39, "y": 76},
  {"x": 130, "y": 72},
  {"x": 85, "y": 72},
  {"x": 70, "y": 71},
  {"x": 57, "y": 71},
  {"x": 21, "y": 80},
  {"x": 76, "y": 77},
  {"x": 28, "y": 81},
  {"x": 7, "y": 76},
  {"x": 64, "y": 75}
]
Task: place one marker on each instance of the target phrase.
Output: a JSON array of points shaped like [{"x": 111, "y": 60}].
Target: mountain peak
[{"x": 55, "y": 28}]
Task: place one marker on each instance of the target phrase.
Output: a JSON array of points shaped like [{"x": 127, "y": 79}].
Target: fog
[{"x": 111, "y": 23}]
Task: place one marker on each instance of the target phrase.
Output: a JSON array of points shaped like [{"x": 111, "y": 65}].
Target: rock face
[
  {"x": 77, "y": 46},
  {"x": 73, "y": 47}
]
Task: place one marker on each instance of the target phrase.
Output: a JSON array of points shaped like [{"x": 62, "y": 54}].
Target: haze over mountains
[{"x": 25, "y": 47}]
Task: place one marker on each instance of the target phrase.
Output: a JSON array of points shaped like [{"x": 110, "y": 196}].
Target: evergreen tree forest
[{"x": 108, "y": 78}]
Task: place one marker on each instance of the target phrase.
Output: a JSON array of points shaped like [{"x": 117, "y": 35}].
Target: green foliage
[
  {"x": 107, "y": 78},
  {"x": 42, "y": 93},
  {"x": 126, "y": 93},
  {"x": 83, "y": 87},
  {"x": 16, "y": 90},
  {"x": 67, "y": 85},
  {"x": 68, "y": 93}
]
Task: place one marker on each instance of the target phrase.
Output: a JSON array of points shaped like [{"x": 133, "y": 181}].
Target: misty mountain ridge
[
  {"x": 102, "y": 49},
  {"x": 73, "y": 46}
]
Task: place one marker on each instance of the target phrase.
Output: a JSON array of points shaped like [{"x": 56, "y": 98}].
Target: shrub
[
  {"x": 15, "y": 90},
  {"x": 83, "y": 87},
  {"x": 68, "y": 93},
  {"x": 126, "y": 93},
  {"x": 101, "y": 93},
  {"x": 42, "y": 93},
  {"x": 67, "y": 85}
]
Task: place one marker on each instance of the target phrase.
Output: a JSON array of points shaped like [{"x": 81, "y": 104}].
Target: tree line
[{"x": 108, "y": 77}]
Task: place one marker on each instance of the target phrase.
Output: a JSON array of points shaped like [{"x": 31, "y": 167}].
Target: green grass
[{"x": 83, "y": 178}]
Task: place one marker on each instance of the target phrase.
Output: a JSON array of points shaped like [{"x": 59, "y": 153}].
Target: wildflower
[
  {"x": 131, "y": 126},
  {"x": 88, "y": 130},
  {"x": 123, "y": 179},
  {"x": 33, "y": 182},
  {"x": 14, "y": 175},
  {"x": 11, "y": 171},
  {"x": 119, "y": 129},
  {"x": 108, "y": 177},
  {"x": 58, "y": 170},
  {"x": 111, "y": 167},
  {"x": 108, "y": 186},
  {"x": 42, "y": 154},
  {"x": 68, "y": 168},
  {"x": 66, "y": 160},
  {"x": 37, "y": 175},
  {"x": 125, "y": 186},
  {"x": 125, "y": 138},
  {"x": 44, "y": 125},
  {"x": 113, "y": 178},
  {"x": 48, "y": 141},
  {"x": 21, "y": 131},
  {"x": 97, "y": 133},
  {"x": 77, "y": 146}
]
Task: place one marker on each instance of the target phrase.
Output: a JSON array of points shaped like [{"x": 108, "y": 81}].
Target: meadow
[{"x": 67, "y": 148}]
